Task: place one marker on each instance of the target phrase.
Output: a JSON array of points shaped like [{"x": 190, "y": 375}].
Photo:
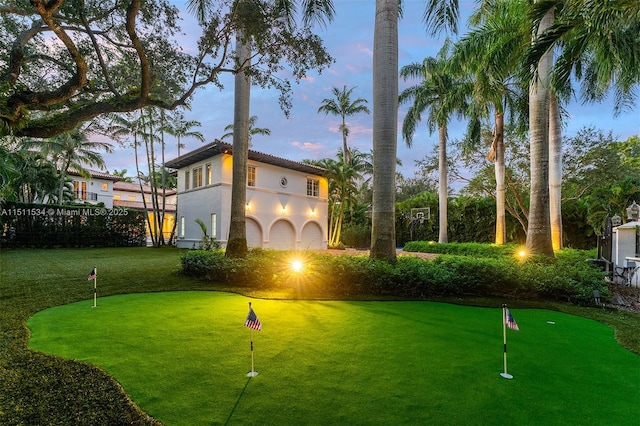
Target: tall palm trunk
[
  {"x": 498, "y": 142},
  {"x": 555, "y": 172},
  {"x": 237, "y": 243},
  {"x": 385, "y": 123},
  {"x": 539, "y": 229},
  {"x": 443, "y": 189}
]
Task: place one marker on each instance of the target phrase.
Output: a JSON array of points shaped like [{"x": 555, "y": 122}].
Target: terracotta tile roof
[{"x": 217, "y": 147}]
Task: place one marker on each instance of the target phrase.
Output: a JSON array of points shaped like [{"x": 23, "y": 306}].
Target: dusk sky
[{"x": 309, "y": 135}]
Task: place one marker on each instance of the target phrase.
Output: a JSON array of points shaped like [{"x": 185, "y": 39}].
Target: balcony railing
[{"x": 87, "y": 196}]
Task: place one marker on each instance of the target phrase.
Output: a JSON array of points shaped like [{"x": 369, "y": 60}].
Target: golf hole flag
[
  {"x": 253, "y": 323},
  {"x": 507, "y": 321},
  {"x": 92, "y": 275},
  {"x": 511, "y": 323},
  {"x": 252, "y": 320}
]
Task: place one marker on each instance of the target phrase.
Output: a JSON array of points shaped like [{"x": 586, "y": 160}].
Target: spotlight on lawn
[
  {"x": 522, "y": 254},
  {"x": 296, "y": 265}
]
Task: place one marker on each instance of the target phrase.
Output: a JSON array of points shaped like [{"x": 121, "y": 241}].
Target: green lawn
[
  {"x": 183, "y": 357},
  {"x": 40, "y": 389}
]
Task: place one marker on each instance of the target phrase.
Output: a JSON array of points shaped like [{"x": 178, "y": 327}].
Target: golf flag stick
[
  {"x": 507, "y": 319},
  {"x": 94, "y": 276},
  {"x": 254, "y": 324},
  {"x": 253, "y": 371}
]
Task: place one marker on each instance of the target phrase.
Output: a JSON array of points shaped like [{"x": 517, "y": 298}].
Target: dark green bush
[
  {"x": 462, "y": 249},
  {"x": 568, "y": 277}
]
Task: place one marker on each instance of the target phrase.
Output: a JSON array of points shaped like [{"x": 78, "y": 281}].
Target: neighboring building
[
  {"x": 97, "y": 189},
  {"x": 286, "y": 200},
  {"x": 129, "y": 195}
]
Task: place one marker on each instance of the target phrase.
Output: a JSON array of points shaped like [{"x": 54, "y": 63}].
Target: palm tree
[
  {"x": 71, "y": 151},
  {"x": 344, "y": 107},
  {"x": 253, "y": 130},
  {"x": 385, "y": 120},
  {"x": 439, "y": 14},
  {"x": 491, "y": 53},
  {"x": 598, "y": 45},
  {"x": 181, "y": 128},
  {"x": 539, "y": 226},
  {"x": 442, "y": 95}
]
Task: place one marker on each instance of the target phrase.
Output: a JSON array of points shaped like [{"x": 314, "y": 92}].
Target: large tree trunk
[
  {"x": 498, "y": 142},
  {"x": 237, "y": 243},
  {"x": 539, "y": 229},
  {"x": 555, "y": 172},
  {"x": 443, "y": 188},
  {"x": 385, "y": 124}
]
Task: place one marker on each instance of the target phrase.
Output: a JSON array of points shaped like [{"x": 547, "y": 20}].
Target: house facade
[
  {"x": 133, "y": 196},
  {"x": 287, "y": 201},
  {"x": 95, "y": 190}
]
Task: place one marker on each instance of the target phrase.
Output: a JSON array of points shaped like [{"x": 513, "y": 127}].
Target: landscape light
[{"x": 296, "y": 265}]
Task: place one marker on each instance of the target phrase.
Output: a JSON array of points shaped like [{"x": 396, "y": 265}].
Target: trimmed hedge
[
  {"x": 463, "y": 249},
  {"x": 50, "y": 226},
  {"x": 569, "y": 277}
]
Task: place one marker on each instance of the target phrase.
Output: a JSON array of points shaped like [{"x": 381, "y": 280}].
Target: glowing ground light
[
  {"x": 296, "y": 265},
  {"x": 522, "y": 253}
]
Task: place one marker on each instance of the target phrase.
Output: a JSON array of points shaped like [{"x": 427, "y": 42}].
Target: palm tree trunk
[
  {"x": 237, "y": 243},
  {"x": 501, "y": 231},
  {"x": 385, "y": 124},
  {"x": 539, "y": 229},
  {"x": 555, "y": 172},
  {"x": 442, "y": 185}
]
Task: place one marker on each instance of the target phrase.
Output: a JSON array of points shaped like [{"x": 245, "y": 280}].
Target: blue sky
[{"x": 349, "y": 39}]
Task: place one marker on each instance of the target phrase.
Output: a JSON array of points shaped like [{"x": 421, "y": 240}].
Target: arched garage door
[
  {"x": 311, "y": 237},
  {"x": 282, "y": 236},
  {"x": 254, "y": 233}
]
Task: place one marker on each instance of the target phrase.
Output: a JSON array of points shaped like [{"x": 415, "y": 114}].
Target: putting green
[{"x": 183, "y": 357}]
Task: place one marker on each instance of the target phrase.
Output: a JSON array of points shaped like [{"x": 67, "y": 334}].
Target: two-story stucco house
[
  {"x": 95, "y": 190},
  {"x": 286, "y": 200}
]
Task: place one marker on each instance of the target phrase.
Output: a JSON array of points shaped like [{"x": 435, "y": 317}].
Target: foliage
[
  {"x": 461, "y": 249},
  {"x": 108, "y": 56},
  {"x": 39, "y": 225},
  {"x": 207, "y": 242},
  {"x": 479, "y": 270}
]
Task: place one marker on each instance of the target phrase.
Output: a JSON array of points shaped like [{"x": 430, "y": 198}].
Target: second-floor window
[
  {"x": 187, "y": 180},
  {"x": 80, "y": 190},
  {"x": 207, "y": 174},
  {"x": 197, "y": 177},
  {"x": 313, "y": 186},
  {"x": 251, "y": 176}
]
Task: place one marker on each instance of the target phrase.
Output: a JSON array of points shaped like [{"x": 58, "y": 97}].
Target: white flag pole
[
  {"x": 253, "y": 372},
  {"x": 95, "y": 286},
  {"x": 504, "y": 340}
]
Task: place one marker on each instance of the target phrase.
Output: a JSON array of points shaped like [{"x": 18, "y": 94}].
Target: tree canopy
[{"x": 63, "y": 63}]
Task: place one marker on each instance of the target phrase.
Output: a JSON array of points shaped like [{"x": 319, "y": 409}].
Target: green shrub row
[
  {"x": 45, "y": 226},
  {"x": 569, "y": 277},
  {"x": 462, "y": 249}
]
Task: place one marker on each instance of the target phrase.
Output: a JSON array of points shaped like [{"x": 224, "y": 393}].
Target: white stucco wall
[{"x": 279, "y": 213}]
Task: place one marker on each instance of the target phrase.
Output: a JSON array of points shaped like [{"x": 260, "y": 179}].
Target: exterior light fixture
[
  {"x": 616, "y": 220},
  {"x": 283, "y": 210},
  {"x": 313, "y": 212},
  {"x": 248, "y": 207},
  {"x": 633, "y": 212}
]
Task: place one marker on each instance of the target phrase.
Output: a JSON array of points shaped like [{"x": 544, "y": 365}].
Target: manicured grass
[{"x": 183, "y": 357}]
